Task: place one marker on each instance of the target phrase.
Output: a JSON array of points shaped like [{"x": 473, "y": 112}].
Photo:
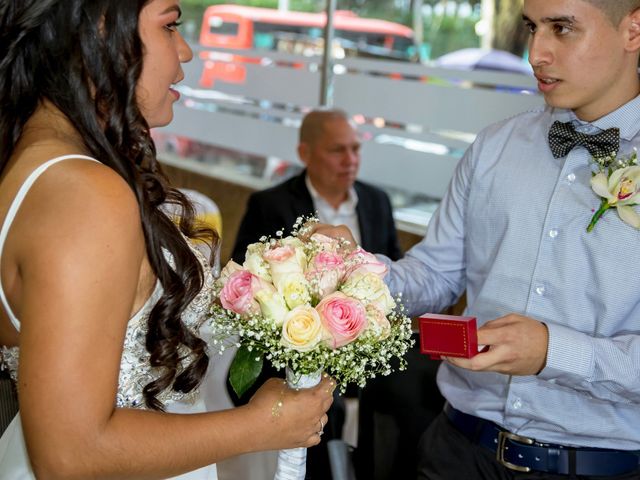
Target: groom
[{"x": 555, "y": 392}]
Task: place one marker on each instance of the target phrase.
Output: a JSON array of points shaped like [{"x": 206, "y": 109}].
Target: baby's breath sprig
[{"x": 610, "y": 163}]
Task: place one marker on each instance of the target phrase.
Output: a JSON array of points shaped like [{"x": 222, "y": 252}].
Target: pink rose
[
  {"x": 364, "y": 262},
  {"x": 327, "y": 261},
  {"x": 327, "y": 269},
  {"x": 237, "y": 293},
  {"x": 343, "y": 317}
]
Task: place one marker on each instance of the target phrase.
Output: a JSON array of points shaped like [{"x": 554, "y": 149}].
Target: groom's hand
[
  {"x": 517, "y": 346},
  {"x": 339, "y": 232}
]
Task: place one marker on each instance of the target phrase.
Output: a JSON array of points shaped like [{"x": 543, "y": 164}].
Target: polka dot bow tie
[{"x": 563, "y": 137}]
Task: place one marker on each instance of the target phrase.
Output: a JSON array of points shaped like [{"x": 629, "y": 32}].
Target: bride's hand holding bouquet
[{"x": 289, "y": 418}]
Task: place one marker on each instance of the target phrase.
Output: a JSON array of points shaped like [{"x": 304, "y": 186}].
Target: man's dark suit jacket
[{"x": 277, "y": 208}]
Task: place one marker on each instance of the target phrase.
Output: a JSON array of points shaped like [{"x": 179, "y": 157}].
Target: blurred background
[{"x": 420, "y": 78}]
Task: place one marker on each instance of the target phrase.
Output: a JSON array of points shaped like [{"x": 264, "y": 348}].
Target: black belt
[{"x": 524, "y": 454}]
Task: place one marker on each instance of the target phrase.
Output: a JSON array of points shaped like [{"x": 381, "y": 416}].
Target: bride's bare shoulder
[
  {"x": 76, "y": 195},
  {"x": 75, "y": 182}
]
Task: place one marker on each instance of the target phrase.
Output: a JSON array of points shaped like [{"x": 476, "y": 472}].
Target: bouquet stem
[{"x": 292, "y": 462}]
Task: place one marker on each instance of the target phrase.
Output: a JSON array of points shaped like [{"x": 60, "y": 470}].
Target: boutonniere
[{"x": 617, "y": 181}]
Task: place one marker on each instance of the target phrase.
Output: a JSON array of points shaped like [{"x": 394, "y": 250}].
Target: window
[{"x": 217, "y": 26}]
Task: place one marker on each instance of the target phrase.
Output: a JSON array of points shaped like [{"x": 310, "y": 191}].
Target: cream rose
[
  {"x": 230, "y": 268},
  {"x": 272, "y": 305},
  {"x": 302, "y": 329},
  {"x": 284, "y": 261},
  {"x": 294, "y": 242}
]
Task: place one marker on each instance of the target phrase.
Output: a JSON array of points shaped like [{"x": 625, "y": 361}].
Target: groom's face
[{"x": 581, "y": 59}]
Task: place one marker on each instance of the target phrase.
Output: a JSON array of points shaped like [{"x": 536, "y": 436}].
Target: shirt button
[
  {"x": 517, "y": 404},
  {"x": 540, "y": 289},
  {"x": 553, "y": 233},
  {"x": 571, "y": 177}
]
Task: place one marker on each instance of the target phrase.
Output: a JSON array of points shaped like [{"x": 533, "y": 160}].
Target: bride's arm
[{"x": 80, "y": 250}]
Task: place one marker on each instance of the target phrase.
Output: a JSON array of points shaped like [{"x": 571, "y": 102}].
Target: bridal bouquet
[{"x": 309, "y": 306}]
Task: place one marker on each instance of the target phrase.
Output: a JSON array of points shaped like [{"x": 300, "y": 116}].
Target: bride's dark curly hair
[{"x": 85, "y": 56}]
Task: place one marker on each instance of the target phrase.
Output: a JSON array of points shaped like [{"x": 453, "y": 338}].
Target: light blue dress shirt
[{"x": 511, "y": 231}]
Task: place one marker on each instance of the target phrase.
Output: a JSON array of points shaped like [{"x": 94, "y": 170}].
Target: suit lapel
[
  {"x": 366, "y": 220},
  {"x": 301, "y": 201}
]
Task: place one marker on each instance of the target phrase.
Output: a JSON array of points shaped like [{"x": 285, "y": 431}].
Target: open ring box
[{"x": 448, "y": 336}]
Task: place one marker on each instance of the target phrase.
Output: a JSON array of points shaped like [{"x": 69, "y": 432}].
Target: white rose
[
  {"x": 377, "y": 322},
  {"x": 272, "y": 305},
  {"x": 368, "y": 287},
  {"x": 257, "y": 265},
  {"x": 295, "y": 290}
]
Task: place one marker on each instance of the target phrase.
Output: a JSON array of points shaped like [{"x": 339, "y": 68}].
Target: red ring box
[{"x": 448, "y": 336}]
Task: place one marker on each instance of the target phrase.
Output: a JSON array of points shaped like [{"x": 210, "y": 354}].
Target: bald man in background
[{"x": 330, "y": 150}]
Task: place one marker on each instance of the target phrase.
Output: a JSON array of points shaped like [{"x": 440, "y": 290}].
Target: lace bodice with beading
[{"x": 135, "y": 369}]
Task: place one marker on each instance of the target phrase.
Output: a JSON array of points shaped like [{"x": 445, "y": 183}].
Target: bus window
[
  {"x": 403, "y": 45},
  {"x": 316, "y": 32},
  {"x": 217, "y": 26},
  {"x": 263, "y": 40}
]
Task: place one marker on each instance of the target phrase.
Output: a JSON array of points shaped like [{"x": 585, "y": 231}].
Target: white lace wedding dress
[{"x": 135, "y": 370}]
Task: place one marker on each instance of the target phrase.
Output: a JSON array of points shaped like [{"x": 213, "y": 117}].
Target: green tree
[{"x": 509, "y": 32}]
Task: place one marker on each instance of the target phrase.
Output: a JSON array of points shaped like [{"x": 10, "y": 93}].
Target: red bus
[{"x": 244, "y": 28}]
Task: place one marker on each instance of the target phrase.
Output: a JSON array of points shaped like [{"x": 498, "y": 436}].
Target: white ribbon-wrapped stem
[{"x": 292, "y": 462}]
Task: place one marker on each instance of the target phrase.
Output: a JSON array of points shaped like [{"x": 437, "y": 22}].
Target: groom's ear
[{"x": 631, "y": 28}]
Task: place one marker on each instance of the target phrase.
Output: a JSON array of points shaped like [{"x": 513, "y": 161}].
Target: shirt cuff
[{"x": 570, "y": 355}]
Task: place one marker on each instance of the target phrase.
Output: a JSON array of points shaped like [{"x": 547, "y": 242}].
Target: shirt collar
[
  {"x": 349, "y": 204},
  {"x": 626, "y": 118}
]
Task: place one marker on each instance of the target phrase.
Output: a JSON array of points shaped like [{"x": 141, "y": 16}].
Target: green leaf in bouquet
[{"x": 244, "y": 370}]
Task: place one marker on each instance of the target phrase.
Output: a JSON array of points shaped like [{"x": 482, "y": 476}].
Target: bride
[{"x": 99, "y": 290}]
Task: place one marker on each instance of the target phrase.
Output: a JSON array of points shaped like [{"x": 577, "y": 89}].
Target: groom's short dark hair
[{"x": 615, "y": 10}]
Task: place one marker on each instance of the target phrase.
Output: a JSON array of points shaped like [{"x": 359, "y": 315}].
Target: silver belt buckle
[{"x": 502, "y": 440}]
